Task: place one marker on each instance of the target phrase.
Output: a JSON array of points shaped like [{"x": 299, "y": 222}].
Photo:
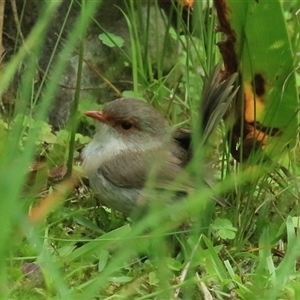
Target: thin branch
[{"x": 2, "y": 5}]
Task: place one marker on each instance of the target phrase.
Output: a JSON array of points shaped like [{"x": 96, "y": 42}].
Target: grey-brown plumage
[{"x": 134, "y": 143}]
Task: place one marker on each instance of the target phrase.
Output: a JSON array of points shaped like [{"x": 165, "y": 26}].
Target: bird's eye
[{"x": 126, "y": 125}]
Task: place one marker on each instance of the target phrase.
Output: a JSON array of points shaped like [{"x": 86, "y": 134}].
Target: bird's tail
[{"x": 217, "y": 95}]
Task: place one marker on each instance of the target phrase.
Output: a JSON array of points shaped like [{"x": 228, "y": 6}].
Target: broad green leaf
[
  {"x": 296, "y": 222},
  {"x": 103, "y": 259},
  {"x": 132, "y": 94},
  {"x": 224, "y": 228},
  {"x": 265, "y": 61},
  {"x": 82, "y": 139},
  {"x": 173, "y": 264},
  {"x": 120, "y": 279},
  {"x": 152, "y": 279},
  {"x": 111, "y": 40}
]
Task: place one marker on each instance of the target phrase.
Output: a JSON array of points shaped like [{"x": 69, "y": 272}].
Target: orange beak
[{"x": 97, "y": 115}]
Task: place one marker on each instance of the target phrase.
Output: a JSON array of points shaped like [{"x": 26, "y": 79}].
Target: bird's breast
[
  {"x": 94, "y": 156},
  {"x": 96, "y": 153}
]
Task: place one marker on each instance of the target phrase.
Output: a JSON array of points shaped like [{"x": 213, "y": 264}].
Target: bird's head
[{"x": 132, "y": 122}]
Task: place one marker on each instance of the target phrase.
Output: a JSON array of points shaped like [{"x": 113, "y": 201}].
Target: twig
[
  {"x": 17, "y": 20},
  {"x": 2, "y": 5},
  {"x": 111, "y": 85},
  {"x": 187, "y": 266},
  {"x": 74, "y": 110},
  {"x": 204, "y": 289}
]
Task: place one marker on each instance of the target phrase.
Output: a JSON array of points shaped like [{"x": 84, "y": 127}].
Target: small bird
[{"x": 134, "y": 144}]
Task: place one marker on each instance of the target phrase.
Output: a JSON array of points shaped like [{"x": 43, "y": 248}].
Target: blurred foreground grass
[{"x": 247, "y": 249}]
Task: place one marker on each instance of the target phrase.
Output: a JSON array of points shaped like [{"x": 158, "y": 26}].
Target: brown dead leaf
[{"x": 54, "y": 198}]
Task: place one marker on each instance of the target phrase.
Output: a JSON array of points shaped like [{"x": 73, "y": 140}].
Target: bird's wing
[
  {"x": 183, "y": 139},
  {"x": 166, "y": 174},
  {"x": 138, "y": 167}
]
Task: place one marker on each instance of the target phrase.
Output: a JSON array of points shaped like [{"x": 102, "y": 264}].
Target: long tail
[
  {"x": 217, "y": 95},
  {"x": 216, "y": 98}
]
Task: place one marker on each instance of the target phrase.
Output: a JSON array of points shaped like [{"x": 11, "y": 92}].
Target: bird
[{"x": 134, "y": 144}]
